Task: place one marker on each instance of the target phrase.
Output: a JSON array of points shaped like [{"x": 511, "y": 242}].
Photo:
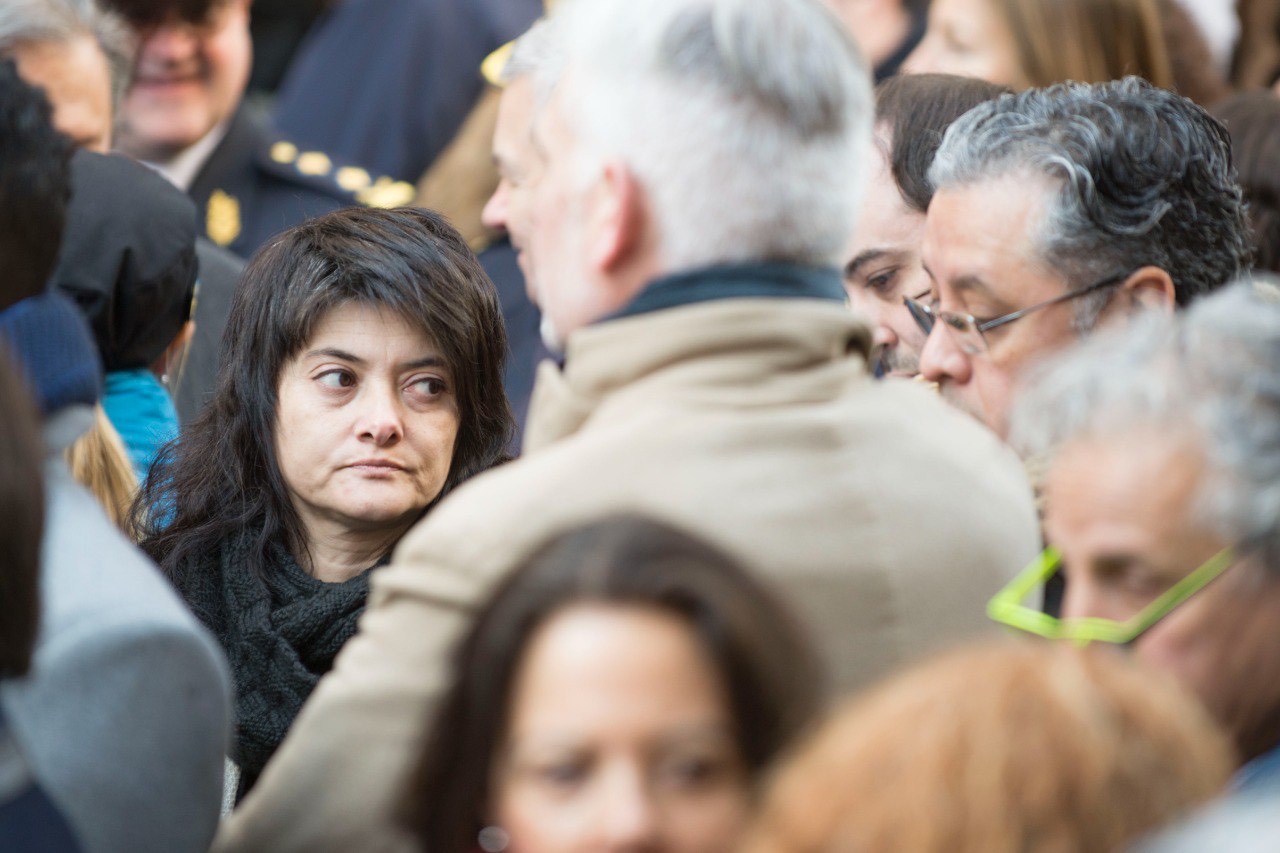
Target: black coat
[{"x": 257, "y": 184}]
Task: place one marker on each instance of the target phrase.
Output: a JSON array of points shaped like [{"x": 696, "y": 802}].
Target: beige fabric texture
[{"x": 884, "y": 517}]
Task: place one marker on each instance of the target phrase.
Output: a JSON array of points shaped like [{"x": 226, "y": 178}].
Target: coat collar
[
  {"x": 715, "y": 343},
  {"x": 729, "y": 281}
]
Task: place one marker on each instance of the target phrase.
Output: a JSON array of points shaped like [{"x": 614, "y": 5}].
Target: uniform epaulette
[{"x": 319, "y": 171}]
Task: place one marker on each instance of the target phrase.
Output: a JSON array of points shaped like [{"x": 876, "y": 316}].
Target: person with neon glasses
[{"x": 1159, "y": 446}]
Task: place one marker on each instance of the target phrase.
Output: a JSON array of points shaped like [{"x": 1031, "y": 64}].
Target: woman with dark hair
[
  {"x": 361, "y": 382},
  {"x": 624, "y": 687},
  {"x": 1253, "y": 120}
]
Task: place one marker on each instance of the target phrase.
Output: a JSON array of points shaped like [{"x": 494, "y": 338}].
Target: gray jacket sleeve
[{"x": 125, "y": 714}]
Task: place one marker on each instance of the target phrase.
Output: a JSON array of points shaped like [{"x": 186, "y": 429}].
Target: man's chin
[
  {"x": 157, "y": 138},
  {"x": 956, "y": 401}
]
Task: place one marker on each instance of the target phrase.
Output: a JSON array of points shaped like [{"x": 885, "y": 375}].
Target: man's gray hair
[
  {"x": 745, "y": 121},
  {"x": 537, "y": 53},
  {"x": 59, "y": 21},
  {"x": 1210, "y": 375},
  {"x": 1144, "y": 175}
]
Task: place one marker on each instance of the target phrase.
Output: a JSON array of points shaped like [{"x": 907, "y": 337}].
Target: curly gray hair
[
  {"x": 1212, "y": 372},
  {"x": 1145, "y": 179}
]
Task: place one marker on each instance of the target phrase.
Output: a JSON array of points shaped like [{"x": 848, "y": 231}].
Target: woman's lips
[{"x": 376, "y": 467}]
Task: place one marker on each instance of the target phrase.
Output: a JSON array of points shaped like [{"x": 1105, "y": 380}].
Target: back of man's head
[
  {"x": 744, "y": 120},
  {"x": 1144, "y": 175},
  {"x": 34, "y": 188}
]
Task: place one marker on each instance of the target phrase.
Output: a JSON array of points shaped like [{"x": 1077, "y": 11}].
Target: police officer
[{"x": 183, "y": 114}]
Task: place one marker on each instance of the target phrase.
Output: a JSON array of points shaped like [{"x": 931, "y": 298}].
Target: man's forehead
[{"x": 987, "y": 229}]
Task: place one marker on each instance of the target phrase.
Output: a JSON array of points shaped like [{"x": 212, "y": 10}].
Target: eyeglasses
[
  {"x": 968, "y": 330},
  {"x": 1007, "y": 606}
]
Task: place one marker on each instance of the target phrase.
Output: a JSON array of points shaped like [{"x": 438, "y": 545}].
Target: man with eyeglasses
[
  {"x": 1161, "y": 452},
  {"x": 1061, "y": 208}
]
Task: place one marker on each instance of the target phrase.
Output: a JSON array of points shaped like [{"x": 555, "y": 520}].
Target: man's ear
[
  {"x": 1147, "y": 288},
  {"x": 617, "y": 218}
]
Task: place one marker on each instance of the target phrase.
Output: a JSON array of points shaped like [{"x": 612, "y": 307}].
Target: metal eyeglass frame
[
  {"x": 926, "y": 316},
  {"x": 1007, "y": 607}
]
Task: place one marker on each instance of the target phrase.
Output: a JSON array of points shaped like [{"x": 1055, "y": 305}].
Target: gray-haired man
[
  {"x": 79, "y": 54},
  {"x": 1161, "y": 450},
  {"x": 1059, "y": 208}
]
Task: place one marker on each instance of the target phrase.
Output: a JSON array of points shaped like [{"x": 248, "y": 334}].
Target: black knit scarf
[{"x": 280, "y": 631}]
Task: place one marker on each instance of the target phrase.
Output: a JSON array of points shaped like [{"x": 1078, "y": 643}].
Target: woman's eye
[
  {"x": 565, "y": 775},
  {"x": 336, "y": 379},
  {"x": 695, "y": 771},
  {"x": 428, "y": 386}
]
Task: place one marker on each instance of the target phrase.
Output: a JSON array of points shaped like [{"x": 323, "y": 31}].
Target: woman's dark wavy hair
[
  {"x": 222, "y": 477},
  {"x": 771, "y": 673},
  {"x": 1253, "y": 120},
  {"x": 917, "y": 109},
  {"x": 22, "y": 508}
]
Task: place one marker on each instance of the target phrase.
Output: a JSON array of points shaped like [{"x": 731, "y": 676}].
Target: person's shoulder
[
  {"x": 305, "y": 169},
  {"x": 258, "y": 181},
  {"x": 309, "y": 170},
  {"x": 94, "y": 576}
]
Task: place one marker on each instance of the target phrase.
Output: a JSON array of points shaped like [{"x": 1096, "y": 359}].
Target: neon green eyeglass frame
[{"x": 1007, "y": 607}]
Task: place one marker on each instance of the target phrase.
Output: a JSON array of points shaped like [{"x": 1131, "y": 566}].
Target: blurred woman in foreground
[{"x": 624, "y": 688}]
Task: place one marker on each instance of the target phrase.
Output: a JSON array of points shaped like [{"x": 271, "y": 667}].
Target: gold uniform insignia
[
  {"x": 387, "y": 193},
  {"x": 352, "y": 178},
  {"x": 284, "y": 152},
  {"x": 314, "y": 163},
  {"x": 222, "y": 218}
]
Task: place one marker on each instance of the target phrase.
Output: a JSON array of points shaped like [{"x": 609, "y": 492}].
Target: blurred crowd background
[{"x": 640, "y": 425}]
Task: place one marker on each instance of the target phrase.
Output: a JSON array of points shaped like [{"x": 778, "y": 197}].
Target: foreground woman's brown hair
[{"x": 1007, "y": 747}]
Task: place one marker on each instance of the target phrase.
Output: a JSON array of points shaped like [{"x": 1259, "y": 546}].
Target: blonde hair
[
  {"x": 999, "y": 748},
  {"x": 1090, "y": 41},
  {"x": 99, "y": 462}
]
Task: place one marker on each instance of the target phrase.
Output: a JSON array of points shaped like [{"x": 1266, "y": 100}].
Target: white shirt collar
[{"x": 181, "y": 170}]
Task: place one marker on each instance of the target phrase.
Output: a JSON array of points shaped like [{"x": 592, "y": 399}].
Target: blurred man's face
[
  {"x": 981, "y": 255},
  {"x": 76, "y": 79},
  {"x": 1124, "y": 512},
  {"x": 188, "y": 79},
  {"x": 884, "y": 266},
  {"x": 518, "y": 167},
  {"x": 557, "y": 250}
]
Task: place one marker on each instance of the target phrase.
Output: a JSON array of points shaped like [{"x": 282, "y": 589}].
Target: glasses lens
[
  {"x": 920, "y": 313},
  {"x": 965, "y": 331}
]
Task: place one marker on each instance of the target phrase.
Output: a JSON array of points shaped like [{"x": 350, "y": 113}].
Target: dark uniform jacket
[
  {"x": 256, "y": 184},
  {"x": 387, "y": 83}
]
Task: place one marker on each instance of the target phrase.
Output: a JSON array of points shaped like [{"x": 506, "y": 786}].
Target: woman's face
[
  {"x": 971, "y": 39},
  {"x": 366, "y": 421},
  {"x": 620, "y": 738}
]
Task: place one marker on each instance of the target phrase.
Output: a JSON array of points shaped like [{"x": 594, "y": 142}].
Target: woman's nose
[
  {"x": 380, "y": 418},
  {"x": 629, "y": 819}
]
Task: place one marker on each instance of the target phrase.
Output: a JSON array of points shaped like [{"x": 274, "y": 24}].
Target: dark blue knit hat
[{"x": 52, "y": 345}]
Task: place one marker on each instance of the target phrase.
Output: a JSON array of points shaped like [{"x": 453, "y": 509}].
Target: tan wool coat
[{"x": 885, "y": 518}]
